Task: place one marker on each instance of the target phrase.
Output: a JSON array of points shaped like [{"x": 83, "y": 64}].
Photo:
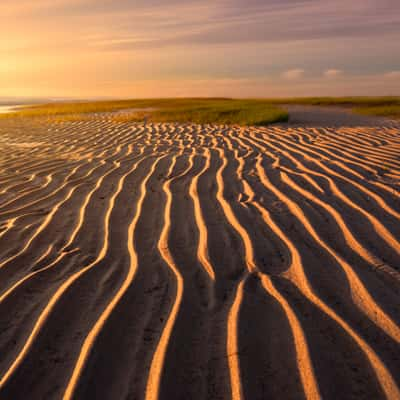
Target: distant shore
[{"x": 343, "y": 110}]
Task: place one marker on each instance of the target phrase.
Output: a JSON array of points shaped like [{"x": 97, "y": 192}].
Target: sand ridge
[{"x": 166, "y": 261}]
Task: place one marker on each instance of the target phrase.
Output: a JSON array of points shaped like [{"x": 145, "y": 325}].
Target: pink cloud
[
  {"x": 293, "y": 74},
  {"x": 332, "y": 73},
  {"x": 393, "y": 74}
]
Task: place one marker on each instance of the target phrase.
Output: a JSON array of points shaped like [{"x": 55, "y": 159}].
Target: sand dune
[{"x": 199, "y": 262}]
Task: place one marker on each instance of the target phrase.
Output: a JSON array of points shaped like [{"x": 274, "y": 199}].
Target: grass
[
  {"x": 236, "y": 112},
  {"x": 210, "y": 110},
  {"x": 388, "y": 106},
  {"x": 341, "y": 101},
  {"x": 390, "y": 111},
  {"x": 202, "y": 111}
]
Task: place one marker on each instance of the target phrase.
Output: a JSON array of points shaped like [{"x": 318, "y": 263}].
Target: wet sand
[{"x": 173, "y": 261}]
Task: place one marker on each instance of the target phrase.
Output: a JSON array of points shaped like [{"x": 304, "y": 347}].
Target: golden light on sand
[{"x": 167, "y": 254}]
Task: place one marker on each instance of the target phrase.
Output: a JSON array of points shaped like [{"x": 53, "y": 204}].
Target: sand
[{"x": 199, "y": 262}]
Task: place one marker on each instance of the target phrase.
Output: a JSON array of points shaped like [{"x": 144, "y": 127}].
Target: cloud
[
  {"x": 108, "y": 40},
  {"x": 392, "y": 75},
  {"x": 161, "y": 23},
  {"x": 332, "y": 73},
  {"x": 293, "y": 74}
]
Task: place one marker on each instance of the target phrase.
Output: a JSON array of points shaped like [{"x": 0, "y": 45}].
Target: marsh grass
[
  {"x": 341, "y": 101},
  {"x": 390, "y": 111},
  {"x": 218, "y": 111},
  {"x": 204, "y": 110},
  {"x": 233, "y": 112},
  {"x": 388, "y": 106}
]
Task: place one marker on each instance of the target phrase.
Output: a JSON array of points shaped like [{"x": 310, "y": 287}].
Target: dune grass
[{"x": 202, "y": 111}]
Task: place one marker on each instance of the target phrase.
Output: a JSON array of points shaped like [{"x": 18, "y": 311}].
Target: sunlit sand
[{"x": 183, "y": 261}]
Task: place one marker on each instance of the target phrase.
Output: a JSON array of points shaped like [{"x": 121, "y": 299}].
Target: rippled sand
[{"x": 199, "y": 262}]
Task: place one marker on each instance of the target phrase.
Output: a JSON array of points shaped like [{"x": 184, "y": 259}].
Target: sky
[{"x": 172, "y": 48}]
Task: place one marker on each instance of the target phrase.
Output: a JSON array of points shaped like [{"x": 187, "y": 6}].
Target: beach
[{"x": 186, "y": 261}]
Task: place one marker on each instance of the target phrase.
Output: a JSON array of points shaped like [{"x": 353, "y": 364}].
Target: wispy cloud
[
  {"x": 392, "y": 75},
  {"x": 332, "y": 73},
  {"x": 198, "y": 39},
  {"x": 293, "y": 74}
]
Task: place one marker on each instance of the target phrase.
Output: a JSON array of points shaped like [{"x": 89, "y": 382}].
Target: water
[{"x": 4, "y": 109}]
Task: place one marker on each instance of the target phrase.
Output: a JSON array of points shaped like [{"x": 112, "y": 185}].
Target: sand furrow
[
  {"x": 153, "y": 382},
  {"x": 65, "y": 285},
  {"x": 202, "y": 249},
  {"x": 91, "y": 337},
  {"x": 305, "y": 367},
  {"x": 360, "y": 187},
  {"x": 366, "y": 303},
  {"x": 383, "y": 375},
  {"x": 381, "y": 230},
  {"x": 360, "y": 294},
  {"x": 153, "y": 260},
  {"x": 304, "y": 363}
]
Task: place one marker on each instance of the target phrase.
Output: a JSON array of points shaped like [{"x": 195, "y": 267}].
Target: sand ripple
[{"x": 199, "y": 262}]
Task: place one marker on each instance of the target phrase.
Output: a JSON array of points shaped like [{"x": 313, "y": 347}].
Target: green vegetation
[
  {"x": 374, "y": 106},
  {"x": 237, "y": 112},
  {"x": 202, "y": 110},
  {"x": 341, "y": 101},
  {"x": 392, "y": 111},
  {"x": 218, "y": 111}
]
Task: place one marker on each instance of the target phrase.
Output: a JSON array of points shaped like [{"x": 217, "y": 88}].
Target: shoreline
[{"x": 11, "y": 108}]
